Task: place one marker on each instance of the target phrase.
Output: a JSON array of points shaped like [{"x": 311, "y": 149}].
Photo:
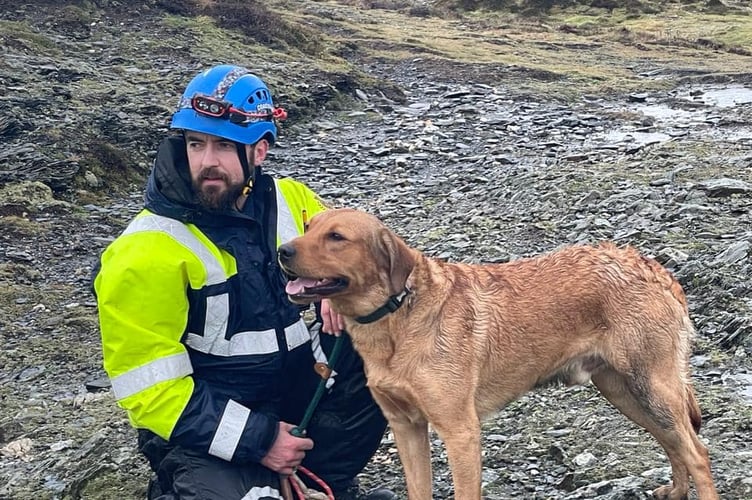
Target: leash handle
[{"x": 300, "y": 430}]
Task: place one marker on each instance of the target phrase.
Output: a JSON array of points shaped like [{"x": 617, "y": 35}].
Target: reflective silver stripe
[
  {"x": 258, "y": 492},
  {"x": 286, "y": 227},
  {"x": 229, "y": 430},
  {"x": 214, "y": 271},
  {"x": 249, "y": 342},
  {"x": 319, "y": 354},
  {"x": 145, "y": 376},
  {"x": 297, "y": 334},
  {"x": 215, "y": 323},
  {"x": 286, "y": 231},
  {"x": 231, "y": 77},
  {"x": 240, "y": 344}
]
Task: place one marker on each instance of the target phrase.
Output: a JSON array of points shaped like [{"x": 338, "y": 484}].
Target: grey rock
[{"x": 725, "y": 186}]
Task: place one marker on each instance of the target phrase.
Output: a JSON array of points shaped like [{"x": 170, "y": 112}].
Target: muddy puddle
[
  {"x": 715, "y": 110},
  {"x": 722, "y": 97}
]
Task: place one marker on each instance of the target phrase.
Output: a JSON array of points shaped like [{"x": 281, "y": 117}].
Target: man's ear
[{"x": 259, "y": 153}]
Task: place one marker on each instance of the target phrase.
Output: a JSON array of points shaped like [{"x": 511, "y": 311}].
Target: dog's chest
[
  {"x": 391, "y": 376},
  {"x": 396, "y": 401}
]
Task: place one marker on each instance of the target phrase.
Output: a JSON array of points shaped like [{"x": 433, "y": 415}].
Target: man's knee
[{"x": 189, "y": 474}]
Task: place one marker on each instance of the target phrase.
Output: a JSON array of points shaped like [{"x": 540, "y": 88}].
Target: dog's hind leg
[{"x": 665, "y": 407}]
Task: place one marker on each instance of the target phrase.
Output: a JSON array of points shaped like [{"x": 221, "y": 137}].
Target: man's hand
[
  {"x": 334, "y": 323},
  {"x": 287, "y": 451}
]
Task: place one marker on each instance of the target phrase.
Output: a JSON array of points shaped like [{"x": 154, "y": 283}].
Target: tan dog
[{"x": 447, "y": 344}]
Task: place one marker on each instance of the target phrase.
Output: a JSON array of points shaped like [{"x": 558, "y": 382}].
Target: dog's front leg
[
  {"x": 415, "y": 453},
  {"x": 462, "y": 442}
]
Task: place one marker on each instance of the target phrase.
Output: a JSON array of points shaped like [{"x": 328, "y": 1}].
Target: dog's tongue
[{"x": 298, "y": 286}]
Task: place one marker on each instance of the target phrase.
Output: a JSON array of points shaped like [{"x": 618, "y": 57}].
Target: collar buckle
[{"x": 393, "y": 303}]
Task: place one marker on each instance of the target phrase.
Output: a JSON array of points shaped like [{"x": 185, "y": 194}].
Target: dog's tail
[
  {"x": 694, "y": 409},
  {"x": 686, "y": 335}
]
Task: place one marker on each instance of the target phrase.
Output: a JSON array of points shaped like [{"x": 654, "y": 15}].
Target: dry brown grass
[
  {"x": 252, "y": 18},
  {"x": 597, "y": 49}
]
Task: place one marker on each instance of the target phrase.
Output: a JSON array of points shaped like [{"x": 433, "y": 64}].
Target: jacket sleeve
[{"x": 143, "y": 310}]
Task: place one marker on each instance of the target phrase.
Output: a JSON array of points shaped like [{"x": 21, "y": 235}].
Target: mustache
[{"x": 212, "y": 173}]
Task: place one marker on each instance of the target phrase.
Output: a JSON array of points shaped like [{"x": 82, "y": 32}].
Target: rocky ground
[{"x": 562, "y": 133}]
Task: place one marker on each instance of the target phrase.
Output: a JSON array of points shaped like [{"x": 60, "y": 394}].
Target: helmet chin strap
[{"x": 249, "y": 172}]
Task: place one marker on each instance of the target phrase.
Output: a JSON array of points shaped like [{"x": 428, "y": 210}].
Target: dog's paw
[{"x": 668, "y": 492}]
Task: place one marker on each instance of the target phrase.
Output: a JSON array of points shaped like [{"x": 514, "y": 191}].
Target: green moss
[{"x": 435, "y": 234}]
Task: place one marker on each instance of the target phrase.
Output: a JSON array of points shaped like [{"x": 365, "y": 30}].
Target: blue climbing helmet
[{"x": 230, "y": 102}]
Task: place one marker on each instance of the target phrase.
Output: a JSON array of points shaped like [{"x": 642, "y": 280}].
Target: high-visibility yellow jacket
[{"x": 199, "y": 339}]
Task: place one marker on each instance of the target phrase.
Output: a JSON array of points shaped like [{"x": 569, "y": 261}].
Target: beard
[{"x": 216, "y": 197}]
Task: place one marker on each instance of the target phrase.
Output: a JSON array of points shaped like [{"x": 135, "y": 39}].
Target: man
[{"x": 206, "y": 354}]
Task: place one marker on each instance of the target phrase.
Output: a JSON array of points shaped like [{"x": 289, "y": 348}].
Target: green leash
[{"x": 300, "y": 430}]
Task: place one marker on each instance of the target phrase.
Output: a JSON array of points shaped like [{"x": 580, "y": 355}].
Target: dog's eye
[{"x": 336, "y": 236}]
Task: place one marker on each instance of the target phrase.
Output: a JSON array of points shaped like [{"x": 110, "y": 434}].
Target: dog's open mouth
[{"x": 311, "y": 289}]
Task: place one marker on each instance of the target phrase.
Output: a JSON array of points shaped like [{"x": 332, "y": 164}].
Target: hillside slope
[{"x": 478, "y": 136}]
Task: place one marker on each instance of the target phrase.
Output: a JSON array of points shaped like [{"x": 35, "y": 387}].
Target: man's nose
[
  {"x": 210, "y": 157},
  {"x": 285, "y": 253}
]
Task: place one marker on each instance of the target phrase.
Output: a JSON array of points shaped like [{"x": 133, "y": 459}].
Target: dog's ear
[{"x": 398, "y": 259}]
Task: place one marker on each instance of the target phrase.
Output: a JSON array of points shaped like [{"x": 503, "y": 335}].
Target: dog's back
[{"x": 559, "y": 316}]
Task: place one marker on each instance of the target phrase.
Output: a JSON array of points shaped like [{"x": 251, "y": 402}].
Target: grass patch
[
  {"x": 20, "y": 227},
  {"x": 211, "y": 40},
  {"x": 253, "y": 19},
  {"x": 718, "y": 32},
  {"x": 22, "y": 38},
  {"x": 10, "y": 294}
]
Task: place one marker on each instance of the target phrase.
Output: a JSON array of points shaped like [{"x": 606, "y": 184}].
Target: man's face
[{"x": 216, "y": 173}]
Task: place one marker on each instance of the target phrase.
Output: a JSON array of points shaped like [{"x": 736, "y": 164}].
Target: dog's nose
[{"x": 285, "y": 252}]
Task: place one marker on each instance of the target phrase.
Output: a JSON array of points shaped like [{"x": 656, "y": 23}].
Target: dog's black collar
[{"x": 392, "y": 304}]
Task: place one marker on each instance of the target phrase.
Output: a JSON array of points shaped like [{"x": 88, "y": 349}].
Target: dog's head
[{"x": 348, "y": 256}]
